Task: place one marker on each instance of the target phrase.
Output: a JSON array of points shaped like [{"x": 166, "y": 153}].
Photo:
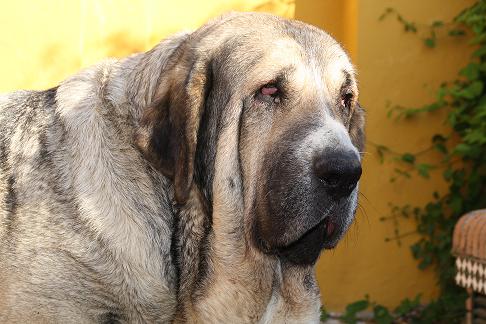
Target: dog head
[{"x": 261, "y": 110}]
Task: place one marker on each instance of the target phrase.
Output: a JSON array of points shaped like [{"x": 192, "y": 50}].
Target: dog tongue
[
  {"x": 329, "y": 228},
  {"x": 269, "y": 90}
]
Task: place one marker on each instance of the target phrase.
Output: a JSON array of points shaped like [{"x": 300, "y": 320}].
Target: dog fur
[{"x": 144, "y": 189}]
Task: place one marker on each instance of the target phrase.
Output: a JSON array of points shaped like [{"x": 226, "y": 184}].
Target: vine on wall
[{"x": 462, "y": 161}]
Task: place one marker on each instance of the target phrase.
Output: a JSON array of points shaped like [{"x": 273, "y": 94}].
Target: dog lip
[
  {"x": 330, "y": 228},
  {"x": 325, "y": 219},
  {"x": 328, "y": 224},
  {"x": 327, "y": 239}
]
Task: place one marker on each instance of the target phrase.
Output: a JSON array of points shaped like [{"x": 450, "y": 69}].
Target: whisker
[
  {"x": 365, "y": 213},
  {"x": 371, "y": 205},
  {"x": 364, "y": 196},
  {"x": 362, "y": 210}
]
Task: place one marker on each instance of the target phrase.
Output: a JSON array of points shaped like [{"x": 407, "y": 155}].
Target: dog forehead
[
  {"x": 322, "y": 68},
  {"x": 335, "y": 68},
  {"x": 255, "y": 48},
  {"x": 280, "y": 55}
]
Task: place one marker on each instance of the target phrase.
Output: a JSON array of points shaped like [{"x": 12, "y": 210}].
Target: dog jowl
[{"x": 131, "y": 191}]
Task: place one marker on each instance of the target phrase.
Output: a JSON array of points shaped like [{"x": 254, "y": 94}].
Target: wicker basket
[{"x": 469, "y": 247}]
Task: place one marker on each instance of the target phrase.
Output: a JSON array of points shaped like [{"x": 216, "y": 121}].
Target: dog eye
[
  {"x": 269, "y": 93},
  {"x": 346, "y": 100}
]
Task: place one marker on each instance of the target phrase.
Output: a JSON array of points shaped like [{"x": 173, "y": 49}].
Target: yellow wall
[{"x": 44, "y": 41}]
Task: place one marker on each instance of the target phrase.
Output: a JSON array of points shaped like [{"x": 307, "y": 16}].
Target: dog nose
[{"x": 339, "y": 171}]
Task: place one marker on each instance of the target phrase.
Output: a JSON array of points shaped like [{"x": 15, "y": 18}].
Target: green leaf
[
  {"x": 425, "y": 263},
  {"x": 423, "y": 169},
  {"x": 456, "y": 32},
  {"x": 475, "y": 136},
  {"x": 456, "y": 203},
  {"x": 478, "y": 39},
  {"x": 387, "y": 12},
  {"x": 482, "y": 67},
  {"x": 324, "y": 314},
  {"x": 441, "y": 148},
  {"x": 406, "y": 306},
  {"x": 380, "y": 150},
  {"x": 408, "y": 26},
  {"x": 438, "y": 138},
  {"x": 471, "y": 71},
  {"x": 382, "y": 315},
  {"x": 471, "y": 91},
  {"x": 357, "y": 306},
  {"x": 408, "y": 158},
  {"x": 429, "y": 42},
  {"x": 415, "y": 248},
  {"x": 441, "y": 93},
  {"x": 458, "y": 177},
  {"x": 437, "y": 23},
  {"x": 352, "y": 309},
  {"x": 432, "y": 107},
  {"x": 448, "y": 174},
  {"x": 480, "y": 52},
  {"x": 463, "y": 149},
  {"x": 402, "y": 173}
]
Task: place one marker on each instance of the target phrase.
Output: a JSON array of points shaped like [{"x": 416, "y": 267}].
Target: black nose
[{"x": 339, "y": 171}]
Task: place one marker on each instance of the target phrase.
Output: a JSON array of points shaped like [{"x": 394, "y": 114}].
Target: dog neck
[{"x": 222, "y": 278}]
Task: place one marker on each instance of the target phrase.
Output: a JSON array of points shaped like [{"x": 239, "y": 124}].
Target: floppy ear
[{"x": 168, "y": 130}]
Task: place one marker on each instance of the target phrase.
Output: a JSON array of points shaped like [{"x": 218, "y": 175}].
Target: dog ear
[
  {"x": 356, "y": 128},
  {"x": 168, "y": 130}
]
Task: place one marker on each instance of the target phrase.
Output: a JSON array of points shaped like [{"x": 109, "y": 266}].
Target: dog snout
[{"x": 339, "y": 171}]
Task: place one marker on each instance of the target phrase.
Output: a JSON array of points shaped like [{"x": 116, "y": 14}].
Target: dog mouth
[
  {"x": 306, "y": 249},
  {"x": 330, "y": 227}
]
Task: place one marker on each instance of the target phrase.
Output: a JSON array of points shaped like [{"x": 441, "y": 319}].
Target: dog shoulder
[{"x": 80, "y": 96}]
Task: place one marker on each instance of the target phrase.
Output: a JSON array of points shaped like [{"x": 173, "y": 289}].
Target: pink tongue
[
  {"x": 269, "y": 90},
  {"x": 329, "y": 228}
]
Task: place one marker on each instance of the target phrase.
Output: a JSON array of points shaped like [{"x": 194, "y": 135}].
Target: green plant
[
  {"x": 349, "y": 316},
  {"x": 406, "y": 312},
  {"x": 324, "y": 314},
  {"x": 462, "y": 160}
]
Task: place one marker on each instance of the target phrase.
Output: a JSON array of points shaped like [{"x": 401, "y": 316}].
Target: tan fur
[{"x": 105, "y": 215}]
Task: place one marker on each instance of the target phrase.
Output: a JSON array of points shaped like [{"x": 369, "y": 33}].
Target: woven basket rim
[{"x": 469, "y": 257}]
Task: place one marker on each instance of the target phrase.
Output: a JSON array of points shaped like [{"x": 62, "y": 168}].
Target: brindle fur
[{"x": 138, "y": 189}]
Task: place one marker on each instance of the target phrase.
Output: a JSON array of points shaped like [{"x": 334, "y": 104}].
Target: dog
[{"x": 197, "y": 182}]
